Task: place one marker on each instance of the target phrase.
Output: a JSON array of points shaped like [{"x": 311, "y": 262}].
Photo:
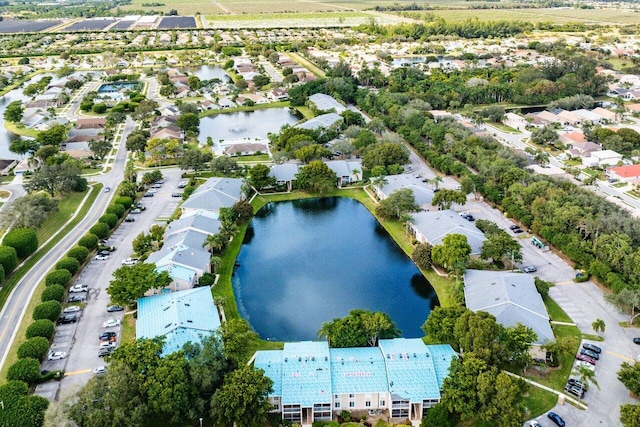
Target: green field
[
  {"x": 558, "y": 16},
  {"x": 191, "y": 7}
]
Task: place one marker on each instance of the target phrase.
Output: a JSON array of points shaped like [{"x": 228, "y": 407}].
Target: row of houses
[{"x": 348, "y": 172}]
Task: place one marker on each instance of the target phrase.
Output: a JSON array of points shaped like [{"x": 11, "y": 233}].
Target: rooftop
[{"x": 436, "y": 225}]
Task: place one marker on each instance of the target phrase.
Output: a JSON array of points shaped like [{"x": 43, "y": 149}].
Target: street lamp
[{"x": 200, "y": 421}]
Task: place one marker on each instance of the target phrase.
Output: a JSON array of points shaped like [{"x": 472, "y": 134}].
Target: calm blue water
[
  {"x": 306, "y": 262},
  {"x": 114, "y": 87},
  {"x": 249, "y": 124}
]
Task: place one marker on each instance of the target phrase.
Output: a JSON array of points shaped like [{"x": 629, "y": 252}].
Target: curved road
[{"x": 15, "y": 307}]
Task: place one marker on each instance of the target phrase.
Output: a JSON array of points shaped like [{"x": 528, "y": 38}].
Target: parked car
[
  {"x": 113, "y": 308},
  {"x": 103, "y": 242},
  {"x": 71, "y": 309},
  {"x": 101, "y": 257},
  {"x": 557, "y": 419},
  {"x": 105, "y": 351},
  {"x": 589, "y": 353},
  {"x": 636, "y": 340},
  {"x": 130, "y": 261},
  {"x": 107, "y": 189},
  {"x": 515, "y": 228},
  {"x": 585, "y": 358},
  {"x": 129, "y": 219},
  {"x": 76, "y": 298},
  {"x": 148, "y": 194},
  {"x": 107, "y": 344},
  {"x": 107, "y": 335},
  {"x": 79, "y": 287},
  {"x": 100, "y": 370},
  {"x": 110, "y": 338},
  {"x": 104, "y": 252},
  {"x": 160, "y": 181},
  {"x": 182, "y": 184},
  {"x": 587, "y": 365},
  {"x": 176, "y": 194},
  {"x": 529, "y": 269},
  {"x": 576, "y": 382},
  {"x": 57, "y": 355},
  {"x": 592, "y": 347},
  {"x": 518, "y": 231},
  {"x": 534, "y": 424},
  {"x": 111, "y": 323},
  {"x": 67, "y": 318},
  {"x": 574, "y": 390},
  {"x": 136, "y": 211},
  {"x": 156, "y": 186}
]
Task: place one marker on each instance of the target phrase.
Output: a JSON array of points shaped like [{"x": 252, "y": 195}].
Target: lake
[
  {"x": 5, "y": 136},
  {"x": 250, "y": 124},
  {"x": 208, "y": 72},
  {"x": 309, "y": 261}
]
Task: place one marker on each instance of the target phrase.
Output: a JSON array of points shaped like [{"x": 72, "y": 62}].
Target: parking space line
[
  {"x": 568, "y": 282},
  {"x": 82, "y": 371},
  {"x": 620, "y": 356}
]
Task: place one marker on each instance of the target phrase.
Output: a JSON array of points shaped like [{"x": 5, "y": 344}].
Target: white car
[
  {"x": 107, "y": 344},
  {"x": 586, "y": 365},
  {"x": 102, "y": 257},
  {"x": 79, "y": 288},
  {"x": 130, "y": 261},
  {"x": 100, "y": 370},
  {"x": 57, "y": 355},
  {"x": 71, "y": 309},
  {"x": 111, "y": 323}
]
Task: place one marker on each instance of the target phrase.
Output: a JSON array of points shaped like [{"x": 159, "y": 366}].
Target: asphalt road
[
  {"x": 81, "y": 340},
  {"x": 14, "y": 309}
]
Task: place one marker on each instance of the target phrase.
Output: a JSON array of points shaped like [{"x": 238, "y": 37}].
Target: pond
[
  {"x": 118, "y": 86},
  {"x": 5, "y": 136},
  {"x": 309, "y": 261},
  {"x": 250, "y": 124},
  {"x": 208, "y": 72}
]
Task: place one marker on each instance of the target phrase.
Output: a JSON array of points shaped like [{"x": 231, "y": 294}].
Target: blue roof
[
  {"x": 270, "y": 361},
  {"x": 410, "y": 369},
  {"x": 306, "y": 375},
  {"x": 179, "y": 316},
  {"x": 358, "y": 370},
  {"x": 442, "y": 356},
  {"x": 178, "y": 272}
]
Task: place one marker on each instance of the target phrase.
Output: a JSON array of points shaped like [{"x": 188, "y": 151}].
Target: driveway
[{"x": 81, "y": 340}]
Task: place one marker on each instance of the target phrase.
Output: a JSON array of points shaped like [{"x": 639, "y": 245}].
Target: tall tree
[
  {"x": 239, "y": 341},
  {"x": 444, "y": 199},
  {"x": 100, "y": 147},
  {"x": 14, "y": 112},
  {"x": 130, "y": 283},
  {"x": 195, "y": 160},
  {"x": 243, "y": 398},
  {"x": 398, "y": 203},
  {"x": 316, "y": 177},
  {"x": 28, "y": 211},
  {"x": 453, "y": 250}
]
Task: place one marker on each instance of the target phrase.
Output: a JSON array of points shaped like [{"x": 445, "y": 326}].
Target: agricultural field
[
  {"x": 184, "y": 8},
  {"x": 277, "y": 7},
  {"x": 22, "y": 26},
  {"x": 177, "y": 22},
  {"x": 558, "y": 16},
  {"x": 90, "y": 24},
  {"x": 293, "y": 20}
]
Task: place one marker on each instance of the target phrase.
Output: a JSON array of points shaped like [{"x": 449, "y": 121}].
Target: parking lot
[{"x": 80, "y": 339}]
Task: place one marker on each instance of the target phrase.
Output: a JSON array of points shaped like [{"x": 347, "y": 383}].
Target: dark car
[
  {"x": 67, "y": 318},
  {"x": 76, "y": 298},
  {"x": 557, "y": 419},
  {"x": 105, "y": 351},
  {"x": 148, "y": 194},
  {"x": 129, "y": 219},
  {"x": 104, "y": 336},
  {"x": 636, "y": 340},
  {"x": 586, "y": 358},
  {"x": 468, "y": 217},
  {"x": 573, "y": 381},
  {"x": 589, "y": 353},
  {"x": 518, "y": 230},
  {"x": 592, "y": 347},
  {"x": 176, "y": 194},
  {"x": 113, "y": 308}
]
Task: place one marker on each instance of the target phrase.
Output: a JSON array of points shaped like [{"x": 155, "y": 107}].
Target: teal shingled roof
[
  {"x": 179, "y": 316},
  {"x": 410, "y": 369},
  {"x": 270, "y": 361},
  {"x": 442, "y": 355},
  {"x": 358, "y": 370},
  {"x": 306, "y": 375}
]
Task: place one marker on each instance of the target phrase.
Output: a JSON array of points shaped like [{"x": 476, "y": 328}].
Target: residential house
[
  {"x": 347, "y": 172},
  {"x": 422, "y": 193},
  {"x": 179, "y": 317},
  {"x": 573, "y": 137},
  {"x": 628, "y": 173},
  {"x": 172, "y": 132},
  {"x": 278, "y": 94},
  {"x": 246, "y": 149},
  {"x": 607, "y": 115},
  {"x": 322, "y": 121},
  {"x": 326, "y": 103},
  {"x": 588, "y": 116},
  {"x": 285, "y": 174},
  {"x": 214, "y": 194},
  {"x": 184, "y": 264},
  {"x": 311, "y": 381},
  {"x": 547, "y": 117},
  {"x": 91, "y": 123},
  {"x": 433, "y": 227},
  {"x": 511, "y": 297},
  {"x": 515, "y": 121},
  {"x": 569, "y": 118},
  {"x": 602, "y": 158},
  {"x": 439, "y": 115},
  {"x": 582, "y": 149}
]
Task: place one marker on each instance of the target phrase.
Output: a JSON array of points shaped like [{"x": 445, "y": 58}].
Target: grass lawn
[
  {"x": 253, "y": 158},
  {"x": 504, "y": 128},
  {"x": 21, "y": 272},
  {"x": 128, "y": 331},
  {"x": 307, "y": 64},
  {"x": 555, "y": 312},
  {"x": 19, "y": 129},
  {"x": 573, "y": 162},
  {"x": 538, "y": 401},
  {"x": 66, "y": 208},
  {"x": 280, "y": 104},
  {"x": 306, "y": 112}
]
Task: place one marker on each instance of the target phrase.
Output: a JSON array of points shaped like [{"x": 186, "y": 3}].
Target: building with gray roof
[
  {"x": 324, "y": 102},
  {"x": 347, "y": 172},
  {"x": 197, "y": 220},
  {"x": 511, "y": 297},
  {"x": 321, "y": 121},
  {"x": 214, "y": 194},
  {"x": 422, "y": 193},
  {"x": 432, "y": 227},
  {"x": 310, "y": 380},
  {"x": 285, "y": 174},
  {"x": 185, "y": 264}
]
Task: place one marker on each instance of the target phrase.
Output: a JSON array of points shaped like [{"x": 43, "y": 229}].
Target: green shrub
[
  {"x": 124, "y": 201},
  {"x": 8, "y": 258},
  {"x": 89, "y": 241},
  {"x": 101, "y": 230},
  {"x": 47, "y": 310},
  {"x": 29, "y": 413},
  {"x": 68, "y": 263},
  {"x": 206, "y": 279},
  {"x": 36, "y": 348},
  {"x": 58, "y": 277},
  {"x": 53, "y": 293},
  {"x": 79, "y": 252},
  {"x": 116, "y": 209},
  {"x": 12, "y": 392},
  {"x": 110, "y": 219},
  {"x": 41, "y": 328},
  {"x": 27, "y": 370},
  {"x": 24, "y": 240},
  {"x": 1, "y": 274}
]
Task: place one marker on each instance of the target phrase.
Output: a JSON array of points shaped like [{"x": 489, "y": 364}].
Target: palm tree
[
  {"x": 326, "y": 330},
  {"x": 214, "y": 243},
  {"x": 586, "y": 375},
  {"x": 228, "y": 230},
  {"x": 406, "y": 218},
  {"x": 598, "y": 326},
  {"x": 215, "y": 261},
  {"x": 435, "y": 181}
]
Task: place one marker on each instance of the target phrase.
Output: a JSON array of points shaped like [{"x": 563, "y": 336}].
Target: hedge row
[
  {"x": 60, "y": 277},
  {"x": 23, "y": 240},
  {"x": 79, "y": 252},
  {"x": 8, "y": 258}
]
